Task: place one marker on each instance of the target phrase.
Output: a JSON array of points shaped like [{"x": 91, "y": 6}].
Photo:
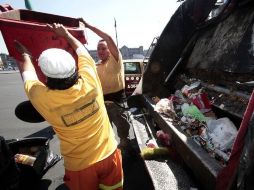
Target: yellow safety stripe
[{"x": 106, "y": 187}]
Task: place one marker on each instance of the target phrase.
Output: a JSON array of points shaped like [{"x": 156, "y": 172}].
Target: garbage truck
[
  {"x": 193, "y": 121},
  {"x": 199, "y": 78}
]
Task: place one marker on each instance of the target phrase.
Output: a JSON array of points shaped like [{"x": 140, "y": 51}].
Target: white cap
[{"x": 57, "y": 63}]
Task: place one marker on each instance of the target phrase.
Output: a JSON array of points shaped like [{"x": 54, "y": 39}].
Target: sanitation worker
[
  {"x": 72, "y": 102},
  {"x": 110, "y": 69}
]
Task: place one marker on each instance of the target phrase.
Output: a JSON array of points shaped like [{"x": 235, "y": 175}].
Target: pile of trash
[{"x": 190, "y": 110}]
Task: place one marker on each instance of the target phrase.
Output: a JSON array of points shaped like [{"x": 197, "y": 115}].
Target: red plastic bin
[{"x": 29, "y": 28}]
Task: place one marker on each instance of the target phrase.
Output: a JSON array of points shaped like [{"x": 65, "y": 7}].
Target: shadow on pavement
[
  {"x": 45, "y": 183},
  {"x": 62, "y": 187}
]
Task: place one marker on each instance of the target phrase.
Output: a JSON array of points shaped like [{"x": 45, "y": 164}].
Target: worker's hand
[
  {"x": 21, "y": 48},
  {"x": 84, "y": 22},
  {"x": 59, "y": 29}
]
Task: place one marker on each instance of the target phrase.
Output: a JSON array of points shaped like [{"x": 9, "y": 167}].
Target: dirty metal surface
[
  {"x": 166, "y": 174},
  {"x": 204, "y": 168}
]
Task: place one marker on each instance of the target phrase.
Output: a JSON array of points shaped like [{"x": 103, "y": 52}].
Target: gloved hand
[{"x": 21, "y": 48}]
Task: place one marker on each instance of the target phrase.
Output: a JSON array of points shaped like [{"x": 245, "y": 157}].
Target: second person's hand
[{"x": 84, "y": 22}]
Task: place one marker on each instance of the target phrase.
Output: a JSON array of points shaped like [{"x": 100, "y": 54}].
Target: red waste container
[{"x": 29, "y": 28}]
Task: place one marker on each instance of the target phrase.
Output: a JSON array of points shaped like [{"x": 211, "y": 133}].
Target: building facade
[{"x": 127, "y": 53}]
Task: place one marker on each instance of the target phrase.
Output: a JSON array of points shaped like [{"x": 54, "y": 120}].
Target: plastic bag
[
  {"x": 9, "y": 171},
  {"x": 192, "y": 111},
  {"x": 166, "y": 107},
  {"x": 37, "y": 147},
  {"x": 222, "y": 132}
]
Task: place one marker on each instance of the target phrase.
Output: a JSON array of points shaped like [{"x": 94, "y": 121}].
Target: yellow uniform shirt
[
  {"x": 111, "y": 75},
  {"x": 77, "y": 115}
]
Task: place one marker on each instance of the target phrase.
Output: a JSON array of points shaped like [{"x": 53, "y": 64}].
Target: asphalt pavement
[{"x": 12, "y": 93}]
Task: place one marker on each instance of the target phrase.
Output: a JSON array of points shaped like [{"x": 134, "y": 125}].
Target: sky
[{"x": 138, "y": 22}]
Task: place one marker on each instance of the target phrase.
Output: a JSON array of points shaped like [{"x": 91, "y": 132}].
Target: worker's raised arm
[
  {"x": 26, "y": 62},
  {"x": 60, "y": 30},
  {"x": 110, "y": 42}
]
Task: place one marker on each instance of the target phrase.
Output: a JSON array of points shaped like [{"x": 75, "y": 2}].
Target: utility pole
[{"x": 116, "y": 33}]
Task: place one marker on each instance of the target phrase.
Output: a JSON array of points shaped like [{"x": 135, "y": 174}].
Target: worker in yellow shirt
[
  {"x": 110, "y": 69},
  {"x": 72, "y": 102}
]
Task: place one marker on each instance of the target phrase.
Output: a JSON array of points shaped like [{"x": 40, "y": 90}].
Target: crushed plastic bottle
[{"x": 25, "y": 159}]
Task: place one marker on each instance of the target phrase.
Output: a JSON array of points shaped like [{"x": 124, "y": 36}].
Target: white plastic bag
[
  {"x": 223, "y": 133},
  {"x": 166, "y": 107}
]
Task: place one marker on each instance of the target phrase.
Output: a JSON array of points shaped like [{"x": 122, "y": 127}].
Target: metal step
[{"x": 165, "y": 174}]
